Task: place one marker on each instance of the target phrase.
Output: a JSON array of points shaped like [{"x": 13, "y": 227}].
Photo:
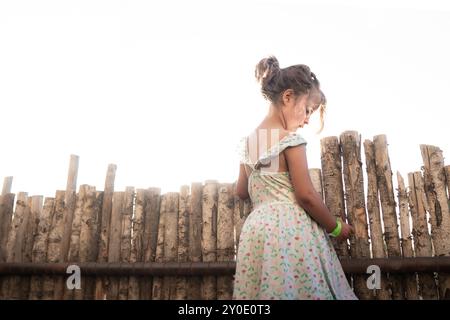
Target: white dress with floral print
[{"x": 283, "y": 253}]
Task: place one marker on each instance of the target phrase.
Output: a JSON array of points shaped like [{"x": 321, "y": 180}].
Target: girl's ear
[{"x": 288, "y": 95}]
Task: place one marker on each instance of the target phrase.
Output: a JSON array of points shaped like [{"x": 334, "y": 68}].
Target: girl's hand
[{"x": 346, "y": 231}]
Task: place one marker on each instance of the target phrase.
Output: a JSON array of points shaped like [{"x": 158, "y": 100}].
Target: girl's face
[
  {"x": 299, "y": 110},
  {"x": 302, "y": 111}
]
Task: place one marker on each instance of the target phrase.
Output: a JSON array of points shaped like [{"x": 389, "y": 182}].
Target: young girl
[{"x": 285, "y": 251}]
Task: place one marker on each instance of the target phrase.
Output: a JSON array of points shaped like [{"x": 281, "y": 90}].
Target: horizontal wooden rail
[{"x": 353, "y": 266}]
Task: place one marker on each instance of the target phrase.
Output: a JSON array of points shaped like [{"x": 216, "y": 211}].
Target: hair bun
[{"x": 266, "y": 69}]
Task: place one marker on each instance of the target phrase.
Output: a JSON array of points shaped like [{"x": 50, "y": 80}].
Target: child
[{"x": 284, "y": 250}]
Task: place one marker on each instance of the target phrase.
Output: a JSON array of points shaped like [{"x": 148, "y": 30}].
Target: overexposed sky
[{"x": 165, "y": 89}]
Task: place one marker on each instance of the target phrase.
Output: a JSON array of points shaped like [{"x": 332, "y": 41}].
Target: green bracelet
[{"x": 337, "y": 231}]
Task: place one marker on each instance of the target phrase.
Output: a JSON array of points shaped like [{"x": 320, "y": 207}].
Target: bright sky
[{"x": 165, "y": 89}]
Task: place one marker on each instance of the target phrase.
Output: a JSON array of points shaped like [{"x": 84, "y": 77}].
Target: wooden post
[
  {"x": 373, "y": 211},
  {"x": 16, "y": 244},
  {"x": 23, "y": 285},
  {"x": 125, "y": 242},
  {"x": 7, "y": 184},
  {"x": 104, "y": 222},
  {"x": 316, "y": 179},
  {"x": 410, "y": 284},
  {"x": 422, "y": 239},
  {"x": 209, "y": 236},
  {"x": 195, "y": 237},
  {"x": 53, "y": 287},
  {"x": 435, "y": 185},
  {"x": 36, "y": 212},
  {"x": 373, "y": 208},
  {"x": 74, "y": 248},
  {"x": 225, "y": 241},
  {"x": 151, "y": 225},
  {"x": 69, "y": 206},
  {"x": 183, "y": 239},
  {"x": 40, "y": 246},
  {"x": 355, "y": 203},
  {"x": 35, "y": 206},
  {"x": 158, "y": 282},
  {"x": 6, "y": 213},
  {"x": 330, "y": 156},
  {"x": 137, "y": 250},
  {"x": 170, "y": 212},
  {"x": 89, "y": 239},
  {"x": 388, "y": 208},
  {"x": 114, "y": 242}
]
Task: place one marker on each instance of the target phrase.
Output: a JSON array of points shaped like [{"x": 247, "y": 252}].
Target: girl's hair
[{"x": 274, "y": 81}]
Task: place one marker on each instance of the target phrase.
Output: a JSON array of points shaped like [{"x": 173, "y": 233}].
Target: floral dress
[{"x": 283, "y": 253}]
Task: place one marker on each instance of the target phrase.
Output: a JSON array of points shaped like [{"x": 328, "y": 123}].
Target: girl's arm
[
  {"x": 242, "y": 184},
  {"x": 307, "y": 197}
]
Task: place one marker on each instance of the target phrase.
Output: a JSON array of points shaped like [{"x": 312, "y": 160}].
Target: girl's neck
[{"x": 276, "y": 119}]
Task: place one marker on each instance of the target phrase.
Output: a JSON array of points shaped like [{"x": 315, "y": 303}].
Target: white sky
[{"x": 165, "y": 89}]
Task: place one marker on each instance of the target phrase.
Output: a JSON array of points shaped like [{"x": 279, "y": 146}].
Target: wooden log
[
  {"x": 183, "y": 240},
  {"x": 225, "y": 240},
  {"x": 373, "y": 211},
  {"x": 70, "y": 202},
  {"x": 388, "y": 208},
  {"x": 330, "y": 156},
  {"x": 36, "y": 211},
  {"x": 316, "y": 179},
  {"x": 74, "y": 248},
  {"x": 209, "y": 236},
  {"x": 40, "y": 246},
  {"x": 35, "y": 204},
  {"x": 125, "y": 241},
  {"x": 170, "y": 212},
  {"x": 6, "y": 213},
  {"x": 89, "y": 234},
  {"x": 355, "y": 202},
  {"x": 98, "y": 208},
  {"x": 137, "y": 251},
  {"x": 151, "y": 225},
  {"x": 373, "y": 208},
  {"x": 53, "y": 287},
  {"x": 114, "y": 242},
  {"x": 158, "y": 282},
  {"x": 435, "y": 190},
  {"x": 410, "y": 283},
  {"x": 105, "y": 223},
  {"x": 422, "y": 239},
  {"x": 16, "y": 244},
  {"x": 7, "y": 184},
  {"x": 195, "y": 237},
  {"x": 23, "y": 285},
  {"x": 73, "y": 173}
]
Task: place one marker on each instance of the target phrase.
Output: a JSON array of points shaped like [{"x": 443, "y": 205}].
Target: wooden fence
[{"x": 201, "y": 224}]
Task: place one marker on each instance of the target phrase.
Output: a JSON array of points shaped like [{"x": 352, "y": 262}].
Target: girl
[{"x": 284, "y": 250}]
